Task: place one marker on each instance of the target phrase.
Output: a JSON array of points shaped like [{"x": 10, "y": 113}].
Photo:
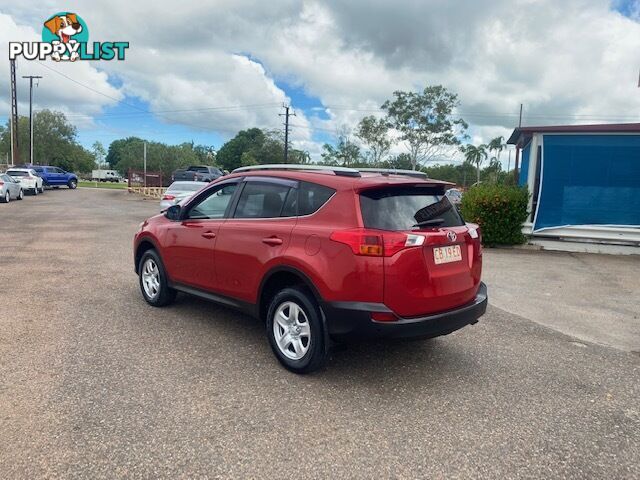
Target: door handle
[
  {"x": 272, "y": 241},
  {"x": 209, "y": 235}
]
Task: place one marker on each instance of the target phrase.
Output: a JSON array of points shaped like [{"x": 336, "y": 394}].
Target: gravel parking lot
[{"x": 96, "y": 384}]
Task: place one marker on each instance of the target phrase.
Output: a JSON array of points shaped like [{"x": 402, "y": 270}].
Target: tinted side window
[
  {"x": 312, "y": 196},
  {"x": 262, "y": 200},
  {"x": 215, "y": 205}
]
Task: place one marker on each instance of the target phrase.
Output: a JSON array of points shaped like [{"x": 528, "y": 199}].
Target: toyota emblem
[{"x": 452, "y": 236}]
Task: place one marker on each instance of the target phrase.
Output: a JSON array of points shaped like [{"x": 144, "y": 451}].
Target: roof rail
[
  {"x": 395, "y": 171},
  {"x": 340, "y": 171}
]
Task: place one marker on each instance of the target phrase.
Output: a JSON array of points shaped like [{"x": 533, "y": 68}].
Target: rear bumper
[{"x": 352, "y": 320}]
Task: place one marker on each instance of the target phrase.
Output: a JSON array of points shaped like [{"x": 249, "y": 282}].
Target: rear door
[
  {"x": 442, "y": 273},
  {"x": 258, "y": 233}
]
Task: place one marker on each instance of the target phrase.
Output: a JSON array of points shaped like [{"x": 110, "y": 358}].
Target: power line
[
  {"x": 485, "y": 115},
  {"x": 146, "y": 111},
  {"x": 230, "y": 108}
]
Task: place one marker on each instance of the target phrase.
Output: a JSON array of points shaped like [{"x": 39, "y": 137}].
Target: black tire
[
  {"x": 317, "y": 353},
  {"x": 165, "y": 295},
  {"x": 42, "y": 189},
  {"x": 35, "y": 192},
  {"x": 7, "y": 197},
  {"x": 20, "y": 194},
  {"x": 72, "y": 184}
]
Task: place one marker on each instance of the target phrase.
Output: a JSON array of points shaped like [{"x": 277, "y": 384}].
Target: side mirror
[{"x": 173, "y": 212}]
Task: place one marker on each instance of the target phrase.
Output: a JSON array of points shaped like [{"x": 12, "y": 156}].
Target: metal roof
[{"x": 521, "y": 135}]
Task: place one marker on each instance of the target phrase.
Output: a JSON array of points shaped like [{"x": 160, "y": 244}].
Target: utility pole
[
  {"x": 145, "y": 162},
  {"x": 520, "y": 121},
  {"x": 15, "y": 154},
  {"x": 516, "y": 168},
  {"x": 31, "y": 77},
  {"x": 286, "y": 116}
]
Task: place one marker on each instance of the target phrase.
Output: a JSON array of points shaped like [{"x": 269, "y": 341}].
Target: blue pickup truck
[{"x": 55, "y": 176}]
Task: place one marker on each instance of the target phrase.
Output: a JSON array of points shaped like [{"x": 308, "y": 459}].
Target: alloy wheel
[
  {"x": 151, "y": 278},
  {"x": 291, "y": 330}
]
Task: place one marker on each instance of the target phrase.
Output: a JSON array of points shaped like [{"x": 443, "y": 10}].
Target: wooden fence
[{"x": 151, "y": 192}]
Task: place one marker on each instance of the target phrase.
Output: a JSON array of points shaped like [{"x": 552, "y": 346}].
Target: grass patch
[{"x": 113, "y": 186}]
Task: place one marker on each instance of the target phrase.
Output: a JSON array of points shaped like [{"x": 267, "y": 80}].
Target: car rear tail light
[
  {"x": 168, "y": 197},
  {"x": 383, "y": 317},
  {"x": 374, "y": 243},
  {"x": 476, "y": 235},
  {"x": 1, "y": 182}
]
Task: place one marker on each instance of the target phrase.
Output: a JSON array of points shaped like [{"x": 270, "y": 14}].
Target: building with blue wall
[{"x": 584, "y": 182}]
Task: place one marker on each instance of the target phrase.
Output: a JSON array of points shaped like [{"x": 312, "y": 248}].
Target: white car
[
  {"x": 179, "y": 191},
  {"x": 28, "y": 179}
]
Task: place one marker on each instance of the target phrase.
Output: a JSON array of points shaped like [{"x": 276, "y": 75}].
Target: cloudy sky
[{"x": 202, "y": 70}]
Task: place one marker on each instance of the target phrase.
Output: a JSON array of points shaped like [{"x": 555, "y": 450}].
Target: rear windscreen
[
  {"x": 408, "y": 208},
  {"x": 182, "y": 187},
  {"x": 18, "y": 174}
]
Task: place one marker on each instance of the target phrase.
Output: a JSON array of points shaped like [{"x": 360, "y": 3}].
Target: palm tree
[
  {"x": 475, "y": 155},
  {"x": 497, "y": 145}
]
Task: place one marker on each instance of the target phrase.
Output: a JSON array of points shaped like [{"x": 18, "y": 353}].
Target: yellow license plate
[{"x": 448, "y": 254}]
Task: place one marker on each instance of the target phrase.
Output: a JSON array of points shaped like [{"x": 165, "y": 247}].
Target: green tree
[
  {"x": 206, "y": 154},
  {"x": 401, "y": 162},
  {"x": 496, "y": 146},
  {"x": 99, "y": 153},
  {"x": 345, "y": 153},
  {"x": 425, "y": 121},
  {"x": 231, "y": 153},
  {"x": 475, "y": 155},
  {"x": 117, "y": 148},
  {"x": 447, "y": 172},
  {"x": 257, "y": 147},
  {"x": 374, "y": 134},
  {"x": 54, "y": 142}
]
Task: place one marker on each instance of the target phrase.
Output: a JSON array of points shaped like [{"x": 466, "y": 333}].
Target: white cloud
[{"x": 568, "y": 62}]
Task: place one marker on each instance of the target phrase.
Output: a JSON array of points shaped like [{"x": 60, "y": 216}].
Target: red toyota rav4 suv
[{"x": 321, "y": 255}]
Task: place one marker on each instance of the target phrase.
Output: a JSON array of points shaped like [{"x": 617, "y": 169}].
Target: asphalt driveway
[{"x": 94, "y": 383}]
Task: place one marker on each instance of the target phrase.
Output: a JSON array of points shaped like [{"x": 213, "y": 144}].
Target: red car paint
[{"x": 331, "y": 249}]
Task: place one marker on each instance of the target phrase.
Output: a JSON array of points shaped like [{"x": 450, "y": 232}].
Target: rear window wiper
[{"x": 425, "y": 223}]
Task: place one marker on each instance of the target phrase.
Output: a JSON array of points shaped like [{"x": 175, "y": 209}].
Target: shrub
[{"x": 500, "y": 210}]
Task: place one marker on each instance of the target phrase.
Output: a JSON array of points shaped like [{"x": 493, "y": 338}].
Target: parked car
[
  {"x": 198, "y": 173},
  {"x": 179, "y": 191},
  {"x": 56, "y": 177},
  {"x": 28, "y": 179},
  {"x": 321, "y": 255},
  {"x": 454, "y": 195},
  {"x": 105, "y": 176},
  {"x": 10, "y": 189}
]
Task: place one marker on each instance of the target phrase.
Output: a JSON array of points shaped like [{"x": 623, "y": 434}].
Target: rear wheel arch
[{"x": 279, "y": 278}]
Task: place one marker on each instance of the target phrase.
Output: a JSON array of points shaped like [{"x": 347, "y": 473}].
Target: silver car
[
  {"x": 179, "y": 191},
  {"x": 10, "y": 189}
]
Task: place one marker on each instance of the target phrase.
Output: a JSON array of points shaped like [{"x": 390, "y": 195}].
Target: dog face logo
[
  {"x": 65, "y": 36},
  {"x": 64, "y": 26}
]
